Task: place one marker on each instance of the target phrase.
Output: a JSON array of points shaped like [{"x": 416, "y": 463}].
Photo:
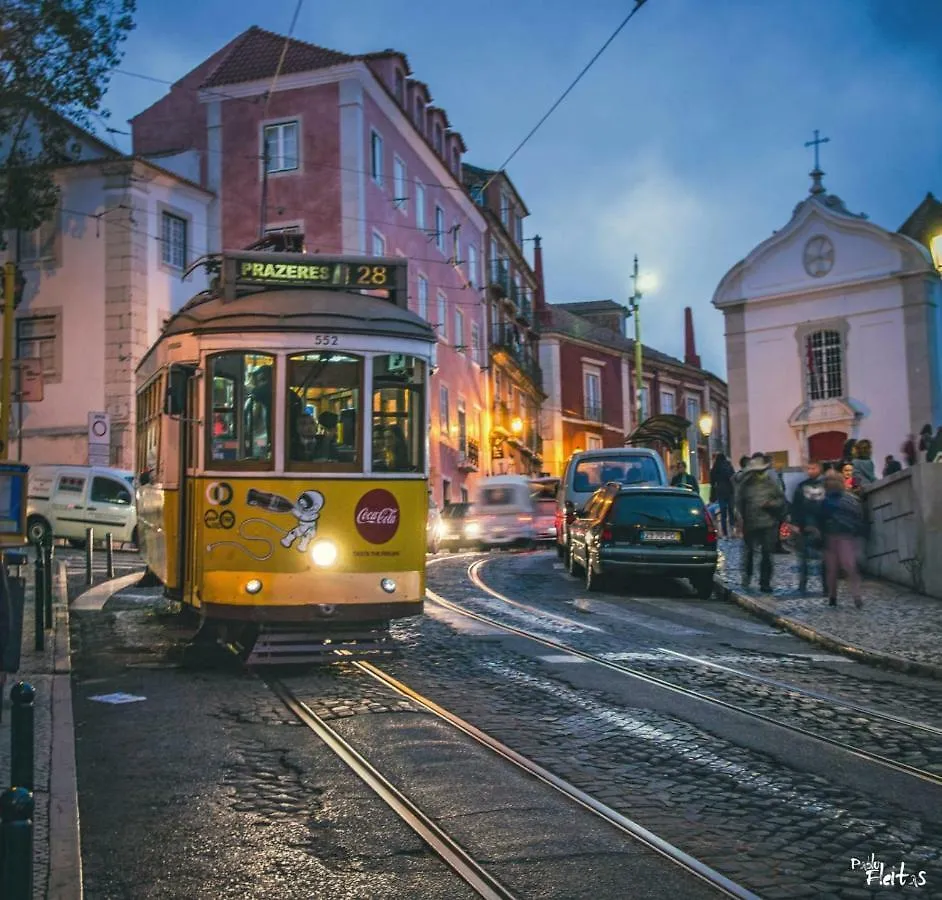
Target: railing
[
  {"x": 507, "y": 341},
  {"x": 468, "y": 460},
  {"x": 525, "y": 308},
  {"x": 592, "y": 413},
  {"x": 500, "y": 279}
]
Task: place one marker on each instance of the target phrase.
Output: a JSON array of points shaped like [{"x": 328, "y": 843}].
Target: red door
[{"x": 827, "y": 445}]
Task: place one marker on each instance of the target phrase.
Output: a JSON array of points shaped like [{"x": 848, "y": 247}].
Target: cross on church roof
[{"x": 816, "y": 173}]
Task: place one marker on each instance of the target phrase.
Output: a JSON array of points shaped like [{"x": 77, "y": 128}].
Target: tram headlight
[
  {"x": 388, "y": 585},
  {"x": 472, "y": 529},
  {"x": 324, "y": 553},
  {"x": 253, "y": 586}
]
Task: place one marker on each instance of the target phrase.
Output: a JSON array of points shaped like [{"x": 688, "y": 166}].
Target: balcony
[
  {"x": 524, "y": 309},
  {"x": 507, "y": 341},
  {"x": 592, "y": 413},
  {"x": 500, "y": 280},
  {"x": 469, "y": 460}
]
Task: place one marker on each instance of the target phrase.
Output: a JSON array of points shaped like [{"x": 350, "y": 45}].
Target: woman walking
[
  {"x": 842, "y": 524},
  {"x": 721, "y": 490}
]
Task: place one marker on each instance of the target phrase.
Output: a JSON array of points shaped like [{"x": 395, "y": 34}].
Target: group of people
[{"x": 826, "y": 513}]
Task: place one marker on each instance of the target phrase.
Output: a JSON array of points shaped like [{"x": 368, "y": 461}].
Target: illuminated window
[
  {"x": 281, "y": 147},
  {"x": 398, "y": 414},
  {"x": 243, "y": 416}
]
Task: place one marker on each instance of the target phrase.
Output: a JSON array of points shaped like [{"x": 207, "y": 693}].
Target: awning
[{"x": 664, "y": 428}]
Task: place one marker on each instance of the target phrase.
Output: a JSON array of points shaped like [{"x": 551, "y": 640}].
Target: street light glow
[
  {"x": 516, "y": 426},
  {"x": 647, "y": 281},
  {"x": 706, "y": 424},
  {"x": 935, "y": 245}
]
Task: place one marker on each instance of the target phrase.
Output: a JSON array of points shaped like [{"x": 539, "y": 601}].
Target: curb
[
  {"x": 65, "y": 844},
  {"x": 95, "y": 598},
  {"x": 822, "y": 638}
]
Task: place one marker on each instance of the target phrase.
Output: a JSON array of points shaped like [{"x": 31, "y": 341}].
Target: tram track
[
  {"x": 930, "y": 733},
  {"x": 445, "y": 847}
]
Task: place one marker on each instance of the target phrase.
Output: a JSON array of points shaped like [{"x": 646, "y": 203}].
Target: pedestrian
[
  {"x": 891, "y": 466},
  {"x": 909, "y": 450},
  {"x": 721, "y": 490},
  {"x": 935, "y": 446},
  {"x": 737, "y": 479},
  {"x": 850, "y": 479},
  {"x": 842, "y": 524},
  {"x": 848, "y": 452},
  {"x": 806, "y": 518},
  {"x": 682, "y": 478},
  {"x": 925, "y": 438},
  {"x": 761, "y": 505},
  {"x": 862, "y": 461}
]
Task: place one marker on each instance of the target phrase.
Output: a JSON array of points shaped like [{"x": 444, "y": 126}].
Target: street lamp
[
  {"x": 639, "y": 284},
  {"x": 935, "y": 246},
  {"x": 706, "y": 425},
  {"x": 516, "y": 426}
]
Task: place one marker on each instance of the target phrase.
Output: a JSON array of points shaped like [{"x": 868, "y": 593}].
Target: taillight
[
  {"x": 607, "y": 536},
  {"x": 711, "y": 528}
]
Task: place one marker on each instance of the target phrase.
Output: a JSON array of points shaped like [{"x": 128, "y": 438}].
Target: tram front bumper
[{"x": 311, "y": 595}]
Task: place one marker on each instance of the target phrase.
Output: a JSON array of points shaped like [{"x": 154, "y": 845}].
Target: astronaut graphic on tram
[{"x": 281, "y": 429}]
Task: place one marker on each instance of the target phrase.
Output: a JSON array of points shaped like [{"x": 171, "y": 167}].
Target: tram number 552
[
  {"x": 372, "y": 275},
  {"x": 325, "y": 340}
]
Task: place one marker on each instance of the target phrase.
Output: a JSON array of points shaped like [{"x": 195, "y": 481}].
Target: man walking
[
  {"x": 760, "y": 503},
  {"x": 806, "y": 515},
  {"x": 683, "y": 479}
]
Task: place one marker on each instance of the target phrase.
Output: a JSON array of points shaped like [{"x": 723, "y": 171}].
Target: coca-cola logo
[{"x": 377, "y": 516}]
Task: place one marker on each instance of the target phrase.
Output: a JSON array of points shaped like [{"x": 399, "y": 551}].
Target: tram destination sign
[{"x": 293, "y": 270}]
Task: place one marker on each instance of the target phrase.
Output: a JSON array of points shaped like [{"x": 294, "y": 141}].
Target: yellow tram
[{"x": 282, "y": 452}]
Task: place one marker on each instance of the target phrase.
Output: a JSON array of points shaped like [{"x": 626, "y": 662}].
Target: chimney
[
  {"x": 690, "y": 342},
  {"x": 539, "y": 300}
]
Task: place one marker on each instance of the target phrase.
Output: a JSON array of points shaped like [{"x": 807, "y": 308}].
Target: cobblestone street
[{"x": 894, "y": 622}]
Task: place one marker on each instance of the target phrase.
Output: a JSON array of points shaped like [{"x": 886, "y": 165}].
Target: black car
[
  {"x": 644, "y": 531},
  {"x": 452, "y": 527}
]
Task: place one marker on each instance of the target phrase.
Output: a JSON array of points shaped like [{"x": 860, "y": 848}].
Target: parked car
[
  {"x": 543, "y": 492},
  {"x": 433, "y": 527},
  {"x": 63, "y": 501},
  {"x": 453, "y": 525},
  {"x": 502, "y": 513},
  {"x": 627, "y": 531},
  {"x": 589, "y": 470}
]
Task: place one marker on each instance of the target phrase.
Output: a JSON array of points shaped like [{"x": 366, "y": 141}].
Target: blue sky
[{"x": 683, "y": 144}]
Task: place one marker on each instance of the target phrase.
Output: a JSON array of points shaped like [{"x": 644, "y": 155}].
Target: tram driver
[
  {"x": 327, "y": 439},
  {"x": 304, "y": 444}
]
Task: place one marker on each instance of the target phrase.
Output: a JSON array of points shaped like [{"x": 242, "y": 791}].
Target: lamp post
[
  {"x": 634, "y": 309},
  {"x": 935, "y": 247}
]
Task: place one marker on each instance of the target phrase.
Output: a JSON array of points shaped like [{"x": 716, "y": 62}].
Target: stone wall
[{"x": 905, "y": 545}]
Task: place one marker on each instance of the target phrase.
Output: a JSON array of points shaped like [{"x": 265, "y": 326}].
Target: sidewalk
[
  {"x": 895, "y": 628},
  {"x": 57, "y": 866}
]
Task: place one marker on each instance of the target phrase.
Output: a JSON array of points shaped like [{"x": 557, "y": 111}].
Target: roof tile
[{"x": 255, "y": 54}]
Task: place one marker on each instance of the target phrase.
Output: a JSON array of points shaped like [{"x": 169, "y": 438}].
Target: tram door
[{"x": 186, "y": 393}]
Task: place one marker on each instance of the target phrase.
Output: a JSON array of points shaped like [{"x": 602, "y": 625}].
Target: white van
[
  {"x": 502, "y": 512},
  {"x": 65, "y": 500}
]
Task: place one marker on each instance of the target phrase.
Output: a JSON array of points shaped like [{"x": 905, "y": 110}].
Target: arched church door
[{"x": 826, "y": 445}]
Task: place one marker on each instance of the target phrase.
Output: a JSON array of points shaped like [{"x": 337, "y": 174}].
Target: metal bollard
[
  {"x": 22, "y": 696},
  {"x": 16, "y": 844},
  {"x": 109, "y": 555},
  {"x": 39, "y": 599},
  {"x": 89, "y": 552},
  {"x": 47, "y": 582}
]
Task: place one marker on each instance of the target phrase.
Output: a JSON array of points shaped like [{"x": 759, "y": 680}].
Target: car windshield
[
  {"x": 657, "y": 509},
  {"x": 591, "y": 474},
  {"x": 497, "y": 496},
  {"x": 455, "y": 511}
]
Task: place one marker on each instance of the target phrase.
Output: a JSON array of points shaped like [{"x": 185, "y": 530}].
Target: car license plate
[{"x": 661, "y": 537}]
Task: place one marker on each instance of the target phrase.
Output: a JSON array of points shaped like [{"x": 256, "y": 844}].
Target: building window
[
  {"x": 419, "y": 205},
  {"x": 379, "y": 244},
  {"x": 495, "y": 262},
  {"x": 475, "y": 343},
  {"x": 423, "y": 297},
  {"x": 693, "y": 433},
  {"x": 446, "y": 492},
  {"x": 456, "y": 242},
  {"x": 244, "y": 414},
  {"x": 518, "y": 230},
  {"x": 456, "y": 161},
  {"x": 400, "y": 200},
  {"x": 376, "y": 158},
  {"x": 505, "y": 211},
  {"x": 645, "y": 404},
  {"x": 458, "y": 336},
  {"x": 472, "y": 265},
  {"x": 173, "y": 240},
  {"x": 592, "y": 394},
  {"x": 400, "y": 87},
  {"x": 823, "y": 352},
  {"x": 40, "y": 243},
  {"x": 444, "y": 422},
  {"x": 440, "y": 228},
  {"x": 667, "y": 401},
  {"x": 439, "y": 140},
  {"x": 281, "y": 147},
  {"x": 38, "y": 338},
  {"x": 593, "y": 442},
  {"x": 420, "y": 114},
  {"x": 462, "y": 428},
  {"x": 442, "y": 314}
]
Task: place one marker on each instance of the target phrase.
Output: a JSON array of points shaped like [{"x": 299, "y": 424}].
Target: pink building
[{"x": 349, "y": 152}]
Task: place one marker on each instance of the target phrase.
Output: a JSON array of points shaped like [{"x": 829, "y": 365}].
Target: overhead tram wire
[
  {"x": 565, "y": 93},
  {"x": 263, "y": 211}
]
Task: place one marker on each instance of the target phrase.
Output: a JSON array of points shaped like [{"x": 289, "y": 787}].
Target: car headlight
[
  {"x": 472, "y": 529},
  {"x": 324, "y": 553},
  {"x": 388, "y": 585}
]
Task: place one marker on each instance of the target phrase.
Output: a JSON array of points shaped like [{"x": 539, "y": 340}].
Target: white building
[
  {"x": 101, "y": 276},
  {"x": 832, "y": 332}
]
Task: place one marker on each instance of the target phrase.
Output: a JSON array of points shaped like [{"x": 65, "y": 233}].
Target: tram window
[
  {"x": 398, "y": 413},
  {"x": 242, "y": 424},
  {"x": 323, "y": 410}
]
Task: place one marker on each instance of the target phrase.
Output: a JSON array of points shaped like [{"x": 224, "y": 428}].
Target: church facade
[{"x": 833, "y": 329}]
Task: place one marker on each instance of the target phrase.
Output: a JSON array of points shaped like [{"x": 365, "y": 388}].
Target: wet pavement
[{"x": 895, "y": 627}]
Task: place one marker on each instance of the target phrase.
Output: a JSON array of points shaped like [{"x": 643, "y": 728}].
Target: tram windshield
[
  {"x": 398, "y": 413},
  {"x": 242, "y": 426},
  {"x": 323, "y": 409}
]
